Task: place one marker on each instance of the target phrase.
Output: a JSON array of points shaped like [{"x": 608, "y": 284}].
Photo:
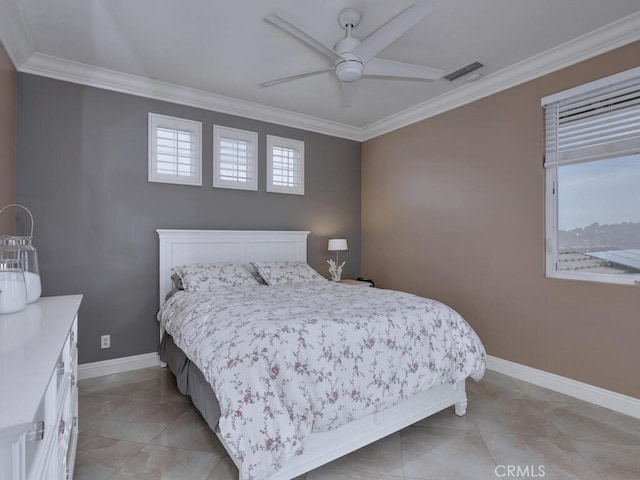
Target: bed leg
[{"x": 461, "y": 408}]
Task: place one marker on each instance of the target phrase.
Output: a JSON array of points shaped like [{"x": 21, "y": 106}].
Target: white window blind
[
  {"x": 174, "y": 150},
  {"x": 592, "y": 161},
  {"x": 235, "y": 154},
  {"x": 285, "y": 165},
  {"x": 597, "y": 124}
]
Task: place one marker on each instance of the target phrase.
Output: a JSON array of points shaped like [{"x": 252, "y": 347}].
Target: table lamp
[{"x": 336, "y": 245}]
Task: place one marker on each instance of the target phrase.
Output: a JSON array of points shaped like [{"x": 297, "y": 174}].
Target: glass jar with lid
[
  {"x": 28, "y": 257},
  {"x": 13, "y": 289}
]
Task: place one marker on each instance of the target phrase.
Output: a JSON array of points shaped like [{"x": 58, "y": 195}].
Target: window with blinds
[
  {"x": 235, "y": 158},
  {"x": 592, "y": 163},
  {"x": 285, "y": 165},
  {"x": 174, "y": 150}
]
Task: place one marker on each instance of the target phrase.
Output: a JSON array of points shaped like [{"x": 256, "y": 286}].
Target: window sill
[{"x": 622, "y": 279}]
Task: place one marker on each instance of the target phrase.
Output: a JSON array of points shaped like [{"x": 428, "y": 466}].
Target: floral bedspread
[{"x": 288, "y": 360}]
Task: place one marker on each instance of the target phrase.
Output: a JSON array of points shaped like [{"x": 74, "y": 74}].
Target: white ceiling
[{"x": 216, "y": 53}]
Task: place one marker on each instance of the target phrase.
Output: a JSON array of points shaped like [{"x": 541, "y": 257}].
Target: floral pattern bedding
[
  {"x": 279, "y": 273},
  {"x": 205, "y": 277},
  {"x": 291, "y": 359}
]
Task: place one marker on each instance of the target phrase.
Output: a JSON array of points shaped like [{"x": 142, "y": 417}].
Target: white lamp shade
[{"x": 337, "y": 244}]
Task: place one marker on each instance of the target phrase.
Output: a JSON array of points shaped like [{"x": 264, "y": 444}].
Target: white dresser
[{"x": 38, "y": 390}]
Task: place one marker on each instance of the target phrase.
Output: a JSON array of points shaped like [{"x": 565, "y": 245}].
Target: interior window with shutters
[
  {"x": 592, "y": 164},
  {"x": 285, "y": 165},
  {"x": 174, "y": 150},
  {"x": 235, "y": 158}
]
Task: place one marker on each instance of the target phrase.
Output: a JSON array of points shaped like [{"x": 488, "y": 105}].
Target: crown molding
[
  {"x": 60, "y": 69},
  {"x": 599, "y": 41},
  {"x": 20, "y": 49},
  {"x": 13, "y": 33}
]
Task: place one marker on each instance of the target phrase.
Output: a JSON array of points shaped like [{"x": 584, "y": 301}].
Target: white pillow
[
  {"x": 280, "y": 273},
  {"x": 206, "y": 277}
]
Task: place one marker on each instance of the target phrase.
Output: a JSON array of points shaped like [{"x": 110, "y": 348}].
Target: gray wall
[{"x": 82, "y": 170}]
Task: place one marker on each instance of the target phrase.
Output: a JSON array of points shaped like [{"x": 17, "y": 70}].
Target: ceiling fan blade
[
  {"x": 290, "y": 28},
  {"x": 389, "y": 68},
  {"x": 391, "y": 31},
  {"x": 349, "y": 93},
  {"x": 296, "y": 77}
]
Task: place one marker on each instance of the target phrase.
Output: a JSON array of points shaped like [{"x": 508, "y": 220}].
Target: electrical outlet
[{"x": 105, "y": 341}]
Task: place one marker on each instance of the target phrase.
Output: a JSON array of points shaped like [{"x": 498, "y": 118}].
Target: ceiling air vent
[{"x": 461, "y": 72}]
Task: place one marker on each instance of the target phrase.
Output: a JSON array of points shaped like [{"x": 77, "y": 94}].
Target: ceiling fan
[{"x": 355, "y": 58}]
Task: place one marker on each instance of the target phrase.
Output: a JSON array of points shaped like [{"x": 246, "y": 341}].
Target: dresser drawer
[
  {"x": 64, "y": 365},
  {"x": 72, "y": 441},
  {"x": 47, "y": 467},
  {"x": 68, "y": 411},
  {"x": 34, "y": 439},
  {"x": 40, "y": 439}
]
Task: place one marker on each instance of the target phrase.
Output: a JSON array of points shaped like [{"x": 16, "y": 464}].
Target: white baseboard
[
  {"x": 583, "y": 391},
  {"x": 117, "y": 365}
]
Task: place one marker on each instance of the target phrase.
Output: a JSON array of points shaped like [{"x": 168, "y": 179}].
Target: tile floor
[{"x": 136, "y": 425}]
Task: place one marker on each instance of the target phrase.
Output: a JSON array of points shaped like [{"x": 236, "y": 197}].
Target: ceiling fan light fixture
[
  {"x": 349, "y": 70},
  {"x": 355, "y": 58}
]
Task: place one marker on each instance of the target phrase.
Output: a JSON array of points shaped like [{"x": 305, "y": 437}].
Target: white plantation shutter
[
  {"x": 285, "y": 165},
  {"x": 597, "y": 121},
  {"x": 235, "y": 158},
  {"x": 174, "y": 150}
]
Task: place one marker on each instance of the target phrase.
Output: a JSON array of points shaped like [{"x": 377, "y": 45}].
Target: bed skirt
[{"x": 190, "y": 380}]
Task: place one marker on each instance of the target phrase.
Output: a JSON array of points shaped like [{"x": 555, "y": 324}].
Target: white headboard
[{"x": 180, "y": 247}]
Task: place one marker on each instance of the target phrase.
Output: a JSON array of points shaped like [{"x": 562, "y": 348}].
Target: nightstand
[{"x": 358, "y": 283}]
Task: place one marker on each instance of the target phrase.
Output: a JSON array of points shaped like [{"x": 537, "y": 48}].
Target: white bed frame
[{"x": 179, "y": 247}]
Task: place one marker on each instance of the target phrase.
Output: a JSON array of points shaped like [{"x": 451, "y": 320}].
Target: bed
[{"x": 292, "y": 376}]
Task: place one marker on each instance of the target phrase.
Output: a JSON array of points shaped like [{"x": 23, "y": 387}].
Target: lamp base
[{"x": 335, "y": 270}]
